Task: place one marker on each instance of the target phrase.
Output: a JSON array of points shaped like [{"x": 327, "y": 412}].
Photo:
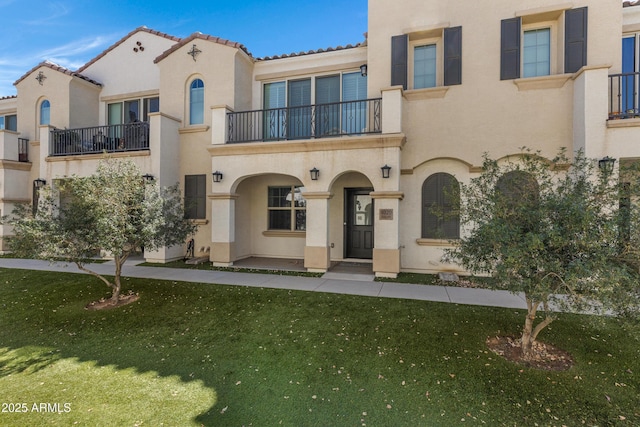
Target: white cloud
[{"x": 56, "y": 11}]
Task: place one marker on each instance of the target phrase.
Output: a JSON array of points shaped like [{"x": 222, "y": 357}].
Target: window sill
[
  {"x": 434, "y": 242},
  {"x": 545, "y": 82},
  {"x": 623, "y": 123},
  {"x": 199, "y": 221},
  {"x": 284, "y": 233},
  {"x": 428, "y": 93},
  {"x": 193, "y": 129}
]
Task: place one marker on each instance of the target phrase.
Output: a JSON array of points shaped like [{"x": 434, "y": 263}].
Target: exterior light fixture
[
  {"x": 217, "y": 176},
  {"x": 363, "y": 70},
  {"x": 315, "y": 173},
  {"x": 39, "y": 183},
  {"x": 606, "y": 164},
  {"x": 386, "y": 169},
  {"x": 148, "y": 177}
]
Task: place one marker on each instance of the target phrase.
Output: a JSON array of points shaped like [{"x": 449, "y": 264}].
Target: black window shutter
[
  {"x": 201, "y": 196},
  {"x": 510, "y": 49},
  {"x": 399, "y": 50},
  {"x": 575, "y": 40},
  {"x": 195, "y": 194},
  {"x": 452, "y": 56}
]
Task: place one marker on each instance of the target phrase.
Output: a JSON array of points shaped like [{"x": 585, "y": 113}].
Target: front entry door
[{"x": 358, "y": 223}]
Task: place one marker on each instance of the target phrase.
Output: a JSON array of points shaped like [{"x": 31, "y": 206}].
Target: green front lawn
[{"x": 195, "y": 354}]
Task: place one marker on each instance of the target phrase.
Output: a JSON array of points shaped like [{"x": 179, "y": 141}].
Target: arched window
[
  {"x": 45, "y": 112},
  {"x": 440, "y": 202},
  {"x": 516, "y": 199},
  {"x": 196, "y": 102}
]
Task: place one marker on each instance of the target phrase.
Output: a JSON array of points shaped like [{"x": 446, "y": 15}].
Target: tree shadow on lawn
[{"x": 242, "y": 344}]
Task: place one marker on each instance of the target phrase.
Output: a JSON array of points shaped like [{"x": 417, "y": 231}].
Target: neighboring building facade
[{"x": 340, "y": 153}]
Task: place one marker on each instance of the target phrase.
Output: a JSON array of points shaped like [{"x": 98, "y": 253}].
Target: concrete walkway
[{"x": 331, "y": 284}]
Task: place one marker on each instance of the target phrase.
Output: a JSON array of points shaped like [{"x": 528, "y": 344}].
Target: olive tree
[
  {"x": 549, "y": 230},
  {"x": 114, "y": 210}
]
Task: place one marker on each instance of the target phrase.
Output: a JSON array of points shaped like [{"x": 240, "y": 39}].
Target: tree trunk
[
  {"x": 529, "y": 333},
  {"x": 119, "y": 260}
]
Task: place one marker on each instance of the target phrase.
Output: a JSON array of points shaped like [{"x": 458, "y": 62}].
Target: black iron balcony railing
[
  {"x": 623, "y": 95},
  {"x": 92, "y": 140},
  {"x": 23, "y": 150},
  {"x": 311, "y": 121}
]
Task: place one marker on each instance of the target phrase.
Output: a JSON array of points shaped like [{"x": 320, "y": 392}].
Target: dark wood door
[{"x": 359, "y": 223}]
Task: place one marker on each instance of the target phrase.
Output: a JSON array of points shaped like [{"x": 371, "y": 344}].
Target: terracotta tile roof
[
  {"x": 60, "y": 69},
  {"x": 627, "y": 3},
  {"x": 200, "y": 36},
  {"x": 122, "y": 40},
  {"x": 8, "y": 97},
  {"x": 312, "y": 52}
]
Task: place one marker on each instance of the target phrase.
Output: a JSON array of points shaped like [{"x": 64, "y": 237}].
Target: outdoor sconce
[
  {"x": 148, "y": 177},
  {"x": 39, "y": 183},
  {"x": 315, "y": 173},
  {"x": 606, "y": 164},
  {"x": 385, "y": 171},
  {"x": 363, "y": 70},
  {"x": 217, "y": 176}
]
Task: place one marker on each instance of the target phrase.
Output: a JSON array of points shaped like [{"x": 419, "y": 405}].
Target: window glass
[
  {"x": 11, "y": 122},
  {"x": 45, "y": 112},
  {"x": 196, "y": 102},
  {"x": 537, "y": 53},
  {"x": 1, "y": 122},
  {"x": 440, "y": 199},
  {"x": 195, "y": 196},
  {"x": 354, "y": 114},
  {"x": 424, "y": 66},
  {"x": 287, "y": 208}
]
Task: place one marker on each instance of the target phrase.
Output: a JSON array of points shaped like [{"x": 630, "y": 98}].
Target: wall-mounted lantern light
[
  {"x": 148, "y": 177},
  {"x": 386, "y": 169},
  {"x": 217, "y": 176},
  {"x": 315, "y": 173},
  {"x": 606, "y": 164},
  {"x": 39, "y": 183},
  {"x": 363, "y": 70}
]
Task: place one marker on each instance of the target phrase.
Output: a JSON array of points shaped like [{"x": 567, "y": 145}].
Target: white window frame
[{"x": 413, "y": 44}]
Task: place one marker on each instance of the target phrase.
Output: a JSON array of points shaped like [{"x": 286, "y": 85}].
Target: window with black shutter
[
  {"x": 575, "y": 43},
  {"x": 195, "y": 196},
  {"x": 399, "y": 57},
  {"x": 452, "y": 56}
]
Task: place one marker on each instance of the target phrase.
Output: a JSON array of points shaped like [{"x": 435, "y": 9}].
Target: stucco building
[{"x": 339, "y": 153}]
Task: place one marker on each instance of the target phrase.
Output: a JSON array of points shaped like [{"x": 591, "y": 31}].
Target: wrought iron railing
[
  {"x": 311, "y": 121},
  {"x": 98, "y": 139},
  {"x": 623, "y": 95},
  {"x": 23, "y": 150}
]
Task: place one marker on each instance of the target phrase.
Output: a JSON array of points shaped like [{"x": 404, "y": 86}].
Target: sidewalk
[{"x": 367, "y": 288}]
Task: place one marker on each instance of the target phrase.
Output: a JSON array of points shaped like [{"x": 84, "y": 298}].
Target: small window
[
  {"x": 287, "y": 208},
  {"x": 196, "y": 102},
  {"x": 536, "y": 55},
  {"x": 440, "y": 200},
  {"x": 424, "y": 66},
  {"x": 45, "y": 113},
  {"x": 195, "y": 196},
  {"x": 11, "y": 122}
]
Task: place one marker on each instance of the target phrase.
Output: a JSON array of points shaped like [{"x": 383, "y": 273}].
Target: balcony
[
  {"x": 306, "y": 122},
  {"x": 99, "y": 139},
  {"x": 23, "y": 150},
  {"x": 623, "y": 96}
]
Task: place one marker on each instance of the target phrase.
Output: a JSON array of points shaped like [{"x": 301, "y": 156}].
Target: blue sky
[{"x": 70, "y": 33}]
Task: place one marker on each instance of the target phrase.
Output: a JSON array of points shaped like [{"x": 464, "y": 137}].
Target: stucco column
[
  {"x": 386, "y": 253},
  {"x": 392, "y": 99},
  {"x": 316, "y": 250},
  {"x": 223, "y": 229},
  {"x": 219, "y": 128},
  {"x": 590, "y": 101},
  {"x": 164, "y": 149}
]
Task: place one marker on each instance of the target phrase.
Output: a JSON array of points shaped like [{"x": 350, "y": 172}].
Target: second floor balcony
[
  {"x": 623, "y": 96},
  {"x": 98, "y": 139},
  {"x": 306, "y": 122}
]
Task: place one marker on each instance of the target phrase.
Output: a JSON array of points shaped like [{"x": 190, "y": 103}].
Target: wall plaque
[{"x": 386, "y": 214}]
